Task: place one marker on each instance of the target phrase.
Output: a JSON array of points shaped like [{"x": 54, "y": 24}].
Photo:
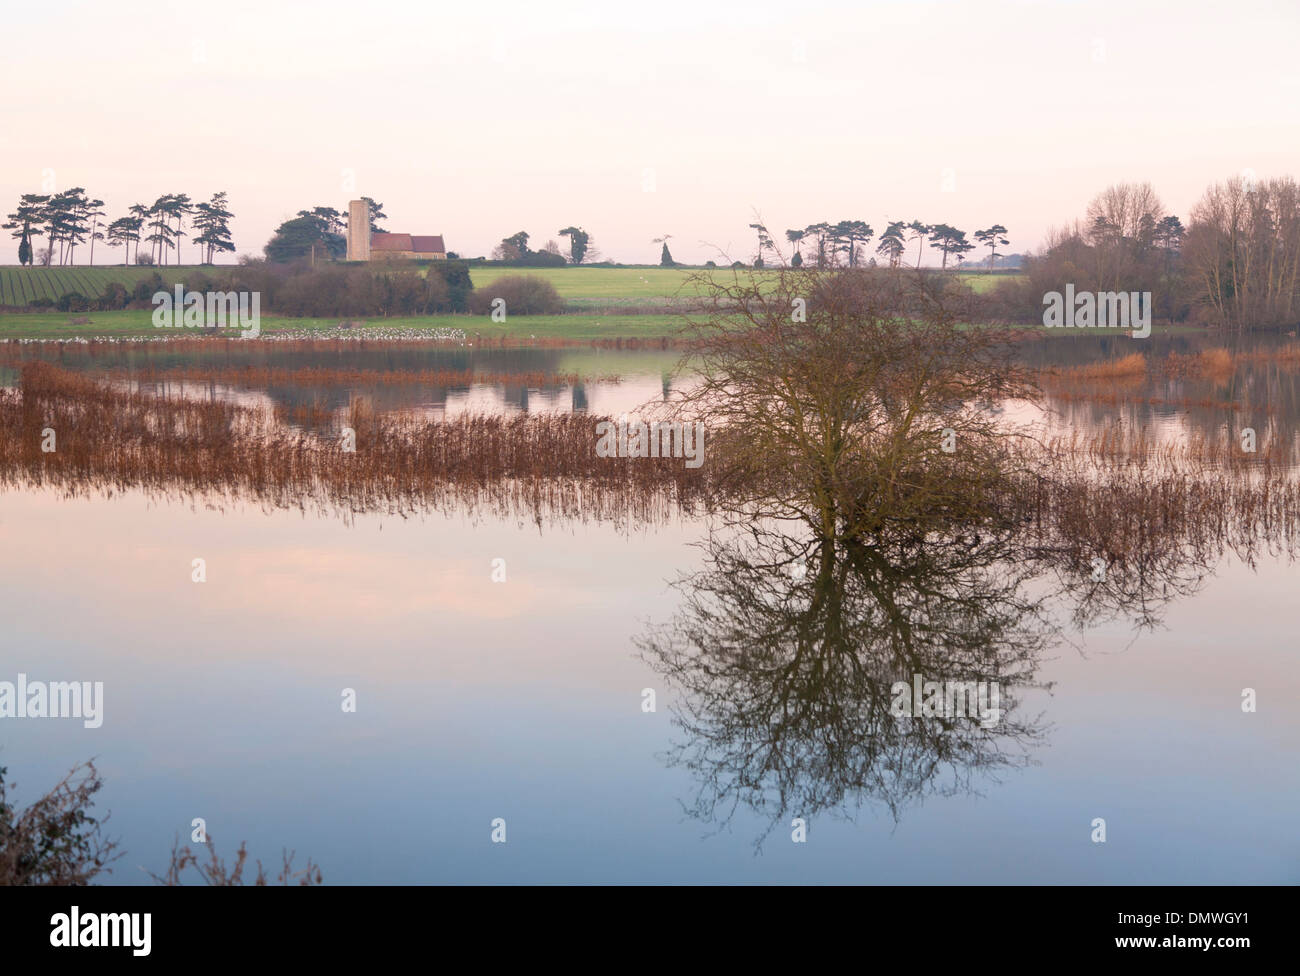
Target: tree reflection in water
[
  {"x": 785, "y": 675},
  {"x": 852, "y": 549}
]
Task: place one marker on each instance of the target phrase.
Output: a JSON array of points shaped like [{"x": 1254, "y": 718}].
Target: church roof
[
  {"x": 431, "y": 243},
  {"x": 419, "y": 244},
  {"x": 390, "y": 242}
]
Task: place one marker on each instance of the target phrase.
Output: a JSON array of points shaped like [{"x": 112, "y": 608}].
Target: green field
[
  {"x": 592, "y": 287},
  {"x": 18, "y": 286},
  {"x": 984, "y": 282},
  {"x": 616, "y": 283},
  {"x": 613, "y": 283}
]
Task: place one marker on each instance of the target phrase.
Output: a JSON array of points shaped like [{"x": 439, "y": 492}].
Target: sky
[{"x": 636, "y": 120}]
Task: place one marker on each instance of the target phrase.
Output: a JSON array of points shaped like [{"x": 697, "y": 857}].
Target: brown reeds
[
  {"x": 1113, "y": 397},
  {"x": 107, "y": 436},
  {"x": 1284, "y": 355},
  {"x": 1130, "y": 379},
  {"x": 1215, "y": 363},
  {"x": 1130, "y": 367},
  {"x": 112, "y": 438},
  {"x": 1193, "y": 453},
  {"x": 1141, "y": 520}
]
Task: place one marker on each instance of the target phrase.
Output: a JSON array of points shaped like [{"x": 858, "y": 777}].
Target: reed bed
[
  {"x": 1129, "y": 380},
  {"x": 1149, "y": 523},
  {"x": 1119, "y": 398},
  {"x": 1207, "y": 364},
  {"x": 1215, "y": 363},
  {"x": 1123, "y": 445},
  {"x": 111, "y": 438},
  {"x": 313, "y": 415},
  {"x": 1108, "y": 489},
  {"x": 1130, "y": 367},
  {"x": 1286, "y": 355}
]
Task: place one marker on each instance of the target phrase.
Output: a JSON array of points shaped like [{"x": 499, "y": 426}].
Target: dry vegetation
[
  {"x": 1215, "y": 363},
  {"x": 1214, "y": 379},
  {"x": 538, "y": 465},
  {"x": 214, "y": 872},
  {"x": 836, "y": 420},
  {"x": 56, "y": 841}
]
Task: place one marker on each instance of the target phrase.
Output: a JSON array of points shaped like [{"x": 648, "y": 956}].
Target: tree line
[
  {"x": 69, "y": 219},
  {"x": 515, "y": 250},
  {"x": 844, "y": 243},
  {"x": 1234, "y": 266},
  {"x": 321, "y": 233}
]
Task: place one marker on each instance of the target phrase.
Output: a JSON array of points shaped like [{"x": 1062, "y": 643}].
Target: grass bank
[{"x": 135, "y": 323}]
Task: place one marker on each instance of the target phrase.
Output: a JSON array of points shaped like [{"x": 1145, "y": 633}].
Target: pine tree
[{"x": 25, "y": 223}]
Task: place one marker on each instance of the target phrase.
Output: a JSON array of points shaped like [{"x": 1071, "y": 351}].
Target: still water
[{"x": 523, "y": 700}]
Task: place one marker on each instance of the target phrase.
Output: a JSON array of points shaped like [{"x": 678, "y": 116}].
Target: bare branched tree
[{"x": 848, "y": 399}]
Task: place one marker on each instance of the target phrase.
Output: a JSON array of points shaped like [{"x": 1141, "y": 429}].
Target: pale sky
[{"x": 636, "y": 120}]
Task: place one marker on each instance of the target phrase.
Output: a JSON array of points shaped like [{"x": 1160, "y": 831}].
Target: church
[{"x": 363, "y": 245}]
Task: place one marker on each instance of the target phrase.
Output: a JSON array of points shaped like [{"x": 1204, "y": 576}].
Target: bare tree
[
  {"x": 1121, "y": 225},
  {"x": 1243, "y": 253},
  {"x": 829, "y": 390}
]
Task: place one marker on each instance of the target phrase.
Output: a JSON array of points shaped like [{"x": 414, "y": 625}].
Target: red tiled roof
[
  {"x": 390, "y": 242},
  {"x": 427, "y": 244}
]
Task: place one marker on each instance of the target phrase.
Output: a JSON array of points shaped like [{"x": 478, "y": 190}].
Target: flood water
[{"x": 523, "y": 698}]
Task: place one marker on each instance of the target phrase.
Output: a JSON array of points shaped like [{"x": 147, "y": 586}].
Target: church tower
[{"x": 358, "y": 230}]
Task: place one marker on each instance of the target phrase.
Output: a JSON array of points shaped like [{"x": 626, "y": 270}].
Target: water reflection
[
  {"x": 790, "y": 653},
  {"x": 786, "y": 650},
  {"x": 884, "y": 534},
  {"x": 788, "y": 656}
]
